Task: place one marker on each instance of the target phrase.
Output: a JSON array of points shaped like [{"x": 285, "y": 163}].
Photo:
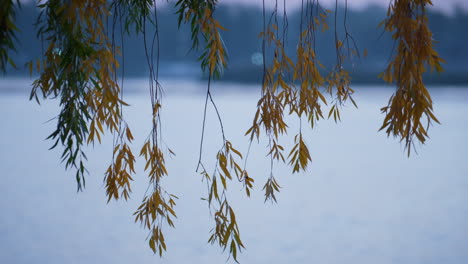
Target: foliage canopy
[{"x": 80, "y": 68}]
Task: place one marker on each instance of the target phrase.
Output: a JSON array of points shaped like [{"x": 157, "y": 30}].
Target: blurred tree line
[{"x": 242, "y": 42}]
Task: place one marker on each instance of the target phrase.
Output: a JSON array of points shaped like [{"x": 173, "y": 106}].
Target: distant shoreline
[{"x": 136, "y": 85}]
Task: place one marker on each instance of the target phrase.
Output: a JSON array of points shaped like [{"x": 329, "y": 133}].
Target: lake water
[{"x": 361, "y": 201}]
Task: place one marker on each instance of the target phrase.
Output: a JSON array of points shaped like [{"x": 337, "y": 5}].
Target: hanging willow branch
[
  {"x": 79, "y": 68},
  {"x": 411, "y": 102},
  {"x": 213, "y": 60},
  {"x": 157, "y": 207}
]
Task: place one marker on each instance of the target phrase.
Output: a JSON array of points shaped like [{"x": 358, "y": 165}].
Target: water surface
[{"x": 361, "y": 201}]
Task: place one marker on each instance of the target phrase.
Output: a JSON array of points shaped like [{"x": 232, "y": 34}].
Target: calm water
[{"x": 361, "y": 201}]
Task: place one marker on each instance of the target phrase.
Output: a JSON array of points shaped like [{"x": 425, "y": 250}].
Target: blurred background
[
  {"x": 362, "y": 199},
  {"x": 243, "y": 22}
]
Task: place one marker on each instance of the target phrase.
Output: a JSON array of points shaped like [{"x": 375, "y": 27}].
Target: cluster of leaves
[
  {"x": 118, "y": 174},
  {"x": 411, "y": 102},
  {"x": 297, "y": 88},
  {"x": 226, "y": 231},
  {"x": 135, "y": 13},
  {"x": 7, "y": 32},
  {"x": 80, "y": 66},
  {"x": 159, "y": 205},
  {"x": 199, "y": 13}
]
